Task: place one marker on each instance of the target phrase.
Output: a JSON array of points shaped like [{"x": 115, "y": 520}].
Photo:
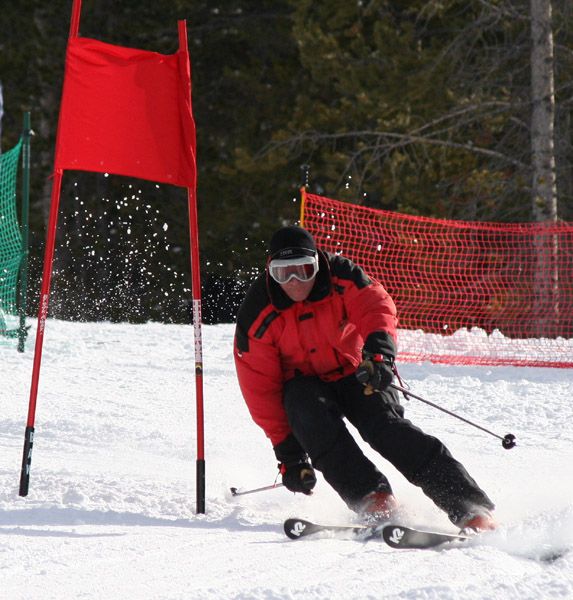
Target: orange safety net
[{"x": 487, "y": 293}]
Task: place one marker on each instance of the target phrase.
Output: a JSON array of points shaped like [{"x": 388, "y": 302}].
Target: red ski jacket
[{"x": 277, "y": 339}]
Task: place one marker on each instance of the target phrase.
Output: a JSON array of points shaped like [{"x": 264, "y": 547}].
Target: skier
[{"x": 307, "y": 323}]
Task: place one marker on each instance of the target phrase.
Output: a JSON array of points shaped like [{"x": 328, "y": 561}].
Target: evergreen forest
[{"x": 426, "y": 107}]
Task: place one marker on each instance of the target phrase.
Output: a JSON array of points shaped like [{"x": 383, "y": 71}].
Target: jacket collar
[{"x": 320, "y": 289}]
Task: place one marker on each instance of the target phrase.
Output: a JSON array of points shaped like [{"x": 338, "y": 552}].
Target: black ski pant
[{"x": 315, "y": 411}]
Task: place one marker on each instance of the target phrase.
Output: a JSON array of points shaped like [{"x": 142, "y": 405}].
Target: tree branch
[{"x": 403, "y": 139}]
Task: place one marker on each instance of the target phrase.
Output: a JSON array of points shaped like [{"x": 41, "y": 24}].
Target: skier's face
[{"x": 296, "y": 290}]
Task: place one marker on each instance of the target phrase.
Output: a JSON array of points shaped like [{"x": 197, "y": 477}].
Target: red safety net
[{"x": 466, "y": 292}]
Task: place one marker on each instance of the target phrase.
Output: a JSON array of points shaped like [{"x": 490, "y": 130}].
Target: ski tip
[
  {"x": 397, "y": 536},
  {"x": 297, "y": 528}
]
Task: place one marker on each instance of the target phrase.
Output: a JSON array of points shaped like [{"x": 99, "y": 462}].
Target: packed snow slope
[{"x": 111, "y": 509}]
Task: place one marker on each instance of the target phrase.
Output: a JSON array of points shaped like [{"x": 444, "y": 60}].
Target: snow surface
[{"x": 111, "y": 508}]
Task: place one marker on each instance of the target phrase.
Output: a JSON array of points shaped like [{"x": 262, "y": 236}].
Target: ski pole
[
  {"x": 236, "y": 492},
  {"x": 507, "y": 441}
]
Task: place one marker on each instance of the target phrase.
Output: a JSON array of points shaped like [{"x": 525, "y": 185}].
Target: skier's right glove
[
  {"x": 297, "y": 474},
  {"x": 298, "y": 477}
]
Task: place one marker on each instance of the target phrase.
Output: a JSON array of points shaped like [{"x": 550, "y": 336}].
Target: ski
[
  {"x": 298, "y": 528},
  {"x": 396, "y": 536}
]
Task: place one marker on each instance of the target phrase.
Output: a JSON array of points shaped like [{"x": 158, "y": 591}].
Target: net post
[
  {"x": 25, "y": 228},
  {"x": 302, "y": 204}
]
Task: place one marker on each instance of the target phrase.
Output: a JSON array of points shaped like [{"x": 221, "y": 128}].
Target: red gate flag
[{"x": 127, "y": 112}]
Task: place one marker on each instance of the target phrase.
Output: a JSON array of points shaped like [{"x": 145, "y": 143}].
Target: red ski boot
[
  {"x": 378, "y": 506},
  {"x": 477, "y": 522}
]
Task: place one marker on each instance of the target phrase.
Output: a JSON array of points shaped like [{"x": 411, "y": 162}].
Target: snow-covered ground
[{"x": 111, "y": 508}]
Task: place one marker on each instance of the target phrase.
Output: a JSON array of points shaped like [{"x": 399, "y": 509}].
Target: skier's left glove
[
  {"x": 297, "y": 474},
  {"x": 376, "y": 371}
]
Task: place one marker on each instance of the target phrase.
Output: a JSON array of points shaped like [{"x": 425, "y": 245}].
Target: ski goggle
[{"x": 303, "y": 269}]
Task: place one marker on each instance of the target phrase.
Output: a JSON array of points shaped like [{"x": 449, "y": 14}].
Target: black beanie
[{"x": 292, "y": 242}]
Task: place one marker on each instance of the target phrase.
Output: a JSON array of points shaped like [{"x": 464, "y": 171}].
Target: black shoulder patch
[
  {"x": 255, "y": 301},
  {"x": 265, "y": 324},
  {"x": 344, "y": 268}
]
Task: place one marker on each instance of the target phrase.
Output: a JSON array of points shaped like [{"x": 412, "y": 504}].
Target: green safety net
[{"x": 10, "y": 243}]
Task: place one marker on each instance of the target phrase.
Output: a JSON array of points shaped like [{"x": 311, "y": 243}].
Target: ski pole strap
[{"x": 402, "y": 383}]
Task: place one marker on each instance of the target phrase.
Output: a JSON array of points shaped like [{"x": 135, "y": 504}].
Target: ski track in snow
[{"x": 111, "y": 508}]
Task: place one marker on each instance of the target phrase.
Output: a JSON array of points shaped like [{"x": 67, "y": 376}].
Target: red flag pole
[
  {"x": 42, "y": 314},
  {"x": 196, "y": 291},
  {"x": 44, "y": 300},
  {"x": 196, "y": 294},
  {"x": 75, "y": 22}
]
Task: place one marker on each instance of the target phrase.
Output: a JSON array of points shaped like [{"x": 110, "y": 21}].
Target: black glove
[
  {"x": 298, "y": 475},
  {"x": 376, "y": 371}
]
